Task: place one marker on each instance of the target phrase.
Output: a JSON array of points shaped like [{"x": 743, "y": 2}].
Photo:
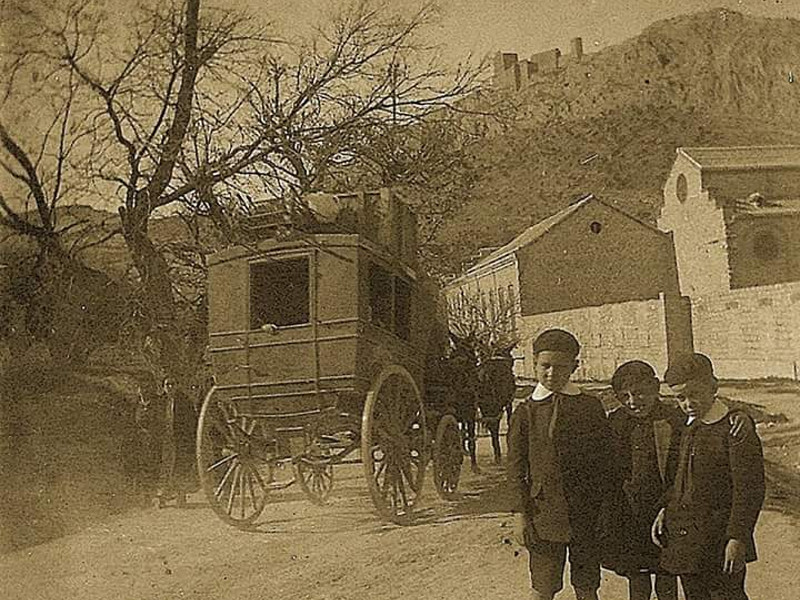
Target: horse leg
[
  {"x": 472, "y": 445},
  {"x": 493, "y": 425},
  {"x": 509, "y": 412}
]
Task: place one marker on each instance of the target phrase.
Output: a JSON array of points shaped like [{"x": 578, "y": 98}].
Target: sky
[
  {"x": 480, "y": 27},
  {"x": 527, "y": 26}
]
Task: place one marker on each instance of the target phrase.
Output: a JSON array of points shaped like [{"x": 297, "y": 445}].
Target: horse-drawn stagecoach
[{"x": 325, "y": 343}]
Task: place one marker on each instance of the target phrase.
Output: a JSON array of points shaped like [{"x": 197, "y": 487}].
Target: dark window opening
[
  {"x": 380, "y": 297},
  {"x": 390, "y": 302},
  {"x": 279, "y": 293},
  {"x": 402, "y": 308},
  {"x": 681, "y": 188}
]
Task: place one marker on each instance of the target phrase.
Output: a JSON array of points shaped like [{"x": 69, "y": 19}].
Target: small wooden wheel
[
  {"x": 447, "y": 457},
  {"x": 315, "y": 478},
  {"x": 394, "y": 444},
  {"x": 233, "y": 461}
]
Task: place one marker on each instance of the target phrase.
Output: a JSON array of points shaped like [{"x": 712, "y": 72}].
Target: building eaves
[
  {"x": 736, "y": 158},
  {"x": 531, "y": 234},
  {"x": 768, "y": 208}
]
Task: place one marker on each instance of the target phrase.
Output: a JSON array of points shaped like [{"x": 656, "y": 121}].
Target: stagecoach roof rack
[{"x": 380, "y": 215}]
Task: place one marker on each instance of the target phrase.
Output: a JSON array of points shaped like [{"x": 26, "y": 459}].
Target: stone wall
[
  {"x": 609, "y": 335},
  {"x": 750, "y": 333}
]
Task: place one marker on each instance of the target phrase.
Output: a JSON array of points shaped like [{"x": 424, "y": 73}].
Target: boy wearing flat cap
[
  {"x": 646, "y": 434},
  {"x": 560, "y": 467},
  {"x": 706, "y": 527}
]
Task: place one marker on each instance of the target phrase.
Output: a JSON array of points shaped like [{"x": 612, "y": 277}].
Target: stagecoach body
[{"x": 320, "y": 342}]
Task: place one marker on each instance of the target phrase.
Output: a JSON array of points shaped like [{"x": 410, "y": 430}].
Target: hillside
[
  {"x": 610, "y": 125},
  {"x": 92, "y": 229}
]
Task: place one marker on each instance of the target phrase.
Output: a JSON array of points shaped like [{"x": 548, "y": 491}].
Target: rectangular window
[
  {"x": 402, "y": 317},
  {"x": 380, "y": 297},
  {"x": 279, "y": 292},
  {"x": 390, "y": 301}
]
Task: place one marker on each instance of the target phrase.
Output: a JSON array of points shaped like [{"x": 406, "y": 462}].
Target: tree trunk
[{"x": 159, "y": 308}]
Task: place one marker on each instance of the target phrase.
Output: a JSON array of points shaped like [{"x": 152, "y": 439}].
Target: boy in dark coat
[
  {"x": 706, "y": 527},
  {"x": 559, "y": 465},
  {"x": 646, "y": 435}
]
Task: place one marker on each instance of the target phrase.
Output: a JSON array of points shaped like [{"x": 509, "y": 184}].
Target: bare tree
[
  {"x": 200, "y": 109},
  {"x": 65, "y": 303},
  {"x": 488, "y": 318}
]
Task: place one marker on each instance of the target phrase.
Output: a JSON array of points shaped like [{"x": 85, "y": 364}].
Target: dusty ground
[{"x": 341, "y": 551}]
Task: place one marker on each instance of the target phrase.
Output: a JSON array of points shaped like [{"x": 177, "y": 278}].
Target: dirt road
[{"x": 340, "y": 551}]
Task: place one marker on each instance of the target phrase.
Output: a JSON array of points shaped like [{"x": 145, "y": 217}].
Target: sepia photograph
[{"x": 400, "y": 299}]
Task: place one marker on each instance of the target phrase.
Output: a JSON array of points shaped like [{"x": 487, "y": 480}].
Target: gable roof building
[{"x": 589, "y": 255}]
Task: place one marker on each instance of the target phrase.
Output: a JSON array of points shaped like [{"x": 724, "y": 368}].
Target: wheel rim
[
  {"x": 233, "y": 462},
  {"x": 448, "y": 457},
  {"x": 394, "y": 444},
  {"x": 315, "y": 478}
]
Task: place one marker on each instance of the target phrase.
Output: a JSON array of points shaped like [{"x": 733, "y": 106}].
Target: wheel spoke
[
  {"x": 254, "y": 475},
  {"x": 259, "y": 479},
  {"x": 241, "y": 493},
  {"x": 221, "y": 462},
  {"x": 221, "y": 485},
  {"x": 402, "y": 488},
  {"x": 380, "y": 470},
  {"x": 234, "y": 483}
]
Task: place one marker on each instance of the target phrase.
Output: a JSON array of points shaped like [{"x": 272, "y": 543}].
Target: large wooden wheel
[
  {"x": 447, "y": 457},
  {"x": 233, "y": 461},
  {"x": 394, "y": 444}
]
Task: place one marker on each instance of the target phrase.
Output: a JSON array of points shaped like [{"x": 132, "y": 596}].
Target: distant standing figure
[
  {"x": 497, "y": 386},
  {"x": 706, "y": 527},
  {"x": 178, "y": 469}
]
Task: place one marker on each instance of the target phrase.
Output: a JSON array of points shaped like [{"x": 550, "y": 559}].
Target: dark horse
[
  {"x": 452, "y": 387},
  {"x": 462, "y": 368},
  {"x": 496, "y": 393}
]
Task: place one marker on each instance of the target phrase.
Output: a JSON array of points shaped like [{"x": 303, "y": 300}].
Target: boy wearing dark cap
[
  {"x": 646, "y": 435},
  {"x": 559, "y": 466},
  {"x": 706, "y": 528}
]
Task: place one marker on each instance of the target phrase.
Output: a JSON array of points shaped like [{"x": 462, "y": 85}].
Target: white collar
[
  {"x": 718, "y": 411},
  {"x": 542, "y": 393}
]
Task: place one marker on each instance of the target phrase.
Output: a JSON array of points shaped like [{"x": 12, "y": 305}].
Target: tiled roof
[
  {"x": 743, "y": 157},
  {"x": 532, "y": 233}
]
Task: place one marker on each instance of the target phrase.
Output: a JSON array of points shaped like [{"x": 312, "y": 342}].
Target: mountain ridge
[{"x": 610, "y": 124}]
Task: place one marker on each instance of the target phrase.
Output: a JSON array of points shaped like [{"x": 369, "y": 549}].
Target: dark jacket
[
  {"x": 581, "y": 439},
  {"x": 717, "y": 496},
  {"x": 646, "y": 453}
]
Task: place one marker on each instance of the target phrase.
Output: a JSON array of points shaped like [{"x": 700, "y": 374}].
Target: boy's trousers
[{"x": 717, "y": 585}]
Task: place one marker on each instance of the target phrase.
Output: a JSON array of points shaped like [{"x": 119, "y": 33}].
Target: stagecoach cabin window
[
  {"x": 380, "y": 297},
  {"x": 402, "y": 308},
  {"x": 389, "y": 301},
  {"x": 279, "y": 293}
]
